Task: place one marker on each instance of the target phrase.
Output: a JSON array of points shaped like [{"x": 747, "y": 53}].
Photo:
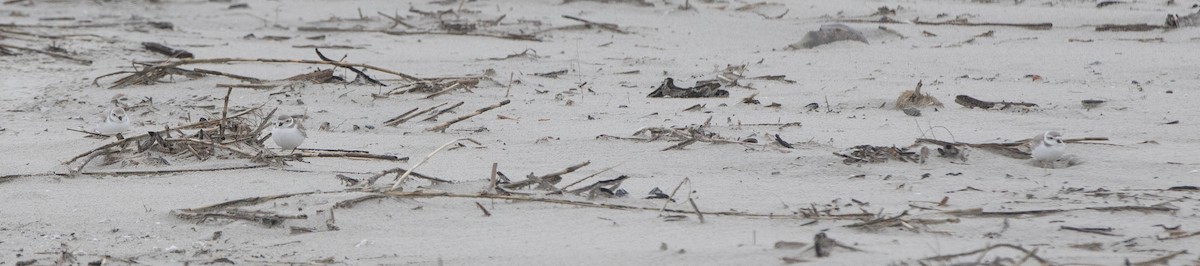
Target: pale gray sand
[{"x": 129, "y": 217}]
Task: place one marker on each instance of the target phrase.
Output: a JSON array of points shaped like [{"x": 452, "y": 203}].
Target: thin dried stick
[
  {"x": 336, "y": 154},
  {"x": 547, "y": 180},
  {"x": 89, "y": 159},
  {"x": 238, "y": 77},
  {"x": 964, "y": 22},
  {"x": 669, "y": 198},
  {"x": 681, "y": 144},
  {"x": 244, "y": 202},
  {"x": 225, "y": 113},
  {"x": 586, "y": 178},
  {"x": 398, "y": 170},
  {"x": 389, "y": 121},
  {"x": 456, "y": 85},
  {"x": 401, "y": 119},
  {"x": 421, "y": 194},
  {"x": 214, "y": 144},
  {"x": 355, "y": 70},
  {"x": 443, "y": 111},
  {"x": 128, "y": 139},
  {"x": 988, "y": 248},
  {"x": 404, "y": 177},
  {"x": 485, "y": 211},
  {"x": 168, "y": 64},
  {"x": 492, "y": 180},
  {"x": 1160, "y": 260},
  {"x": 161, "y": 172},
  {"x": 607, "y": 26},
  {"x": 697, "y": 209},
  {"x": 262, "y": 125},
  {"x": 88, "y": 132},
  {"x": 442, "y": 127},
  {"x": 52, "y": 54}
]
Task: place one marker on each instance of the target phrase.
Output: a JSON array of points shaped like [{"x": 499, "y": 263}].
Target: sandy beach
[{"x": 554, "y": 95}]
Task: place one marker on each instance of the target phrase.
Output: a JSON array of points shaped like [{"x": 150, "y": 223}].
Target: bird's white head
[
  {"x": 285, "y": 122},
  {"x": 116, "y": 115},
  {"x": 1052, "y": 138}
]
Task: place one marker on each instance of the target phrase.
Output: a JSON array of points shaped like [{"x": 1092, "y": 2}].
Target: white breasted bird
[
  {"x": 116, "y": 122},
  {"x": 1047, "y": 148},
  {"x": 288, "y": 134}
]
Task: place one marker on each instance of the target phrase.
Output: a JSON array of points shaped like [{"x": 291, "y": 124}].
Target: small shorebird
[
  {"x": 115, "y": 123},
  {"x": 1047, "y": 148},
  {"x": 288, "y": 134}
]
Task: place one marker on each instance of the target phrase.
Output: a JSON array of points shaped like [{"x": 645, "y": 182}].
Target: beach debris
[
  {"x": 1109, "y": 3},
  {"x": 823, "y": 246},
  {"x": 918, "y": 153},
  {"x": 153, "y": 72},
  {"x": 168, "y": 51},
  {"x": 911, "y": 111},
  {"x": 810, "y": 107},
  {"x": 783, "y": 143},
  {"x": 229, "y": 137},
  {"x": 551, "y": 74},
  {"x": 547, "y": 181},
  {"x": 829, "y": 33},
  {"x": 731, "y": 74},
  {"x": 761, "y": 8},
  {"x": 442, "y": 127},
  {"x": 877, "y": 154},
  {"x": 657, "y": 193},
  {"x": 1173, "y": 21},
  {"x": 458, "y": 21},
  {"x": 701, "y": 90},
  {"x": 1089, "y": 104},
  {"x": 789, "y": 245},
  {"x": 591, "y": 24},
  {"x": 604, "y": 188},
  {"x": 964, "y": 22},
  {"x": 750, "y": 99},
  {"x": 643, "y": 3},
  {"x": 52, "y": 52},
  {"x": 1025, "y": 255},
  {"x": 1131, "y": 27},
  {"x": 972, "y": 103},
  {"x": 915, "y": 99}
]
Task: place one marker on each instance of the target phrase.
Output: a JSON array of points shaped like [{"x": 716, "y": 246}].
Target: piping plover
[
  {"x": 1047, "y": 148},
  {"x": 116, "y": 122},
  {"x": 288, "y": 134}
]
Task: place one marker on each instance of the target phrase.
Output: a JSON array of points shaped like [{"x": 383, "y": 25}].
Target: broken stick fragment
[
  {"x": 168, "y": 51},
  {"x": 971, "y": 103},
  {"x": 442, "y": 127}
]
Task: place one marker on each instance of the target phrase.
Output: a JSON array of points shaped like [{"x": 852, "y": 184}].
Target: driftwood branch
[
  {"x": 989, "y": 248},
  {"x": 607, "y": 26},
  {"x": 442, "y": 127},
  {"x": 980, "y": 213},
  {"x": 52, "y": 54},
  {"x": 964, "y": 22},
  {"x": 158, "y": 66},
  {"x": 507, "y": 36},
  {"x": 402, "y": 178},
  {"x": 409, "y": 116}
]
